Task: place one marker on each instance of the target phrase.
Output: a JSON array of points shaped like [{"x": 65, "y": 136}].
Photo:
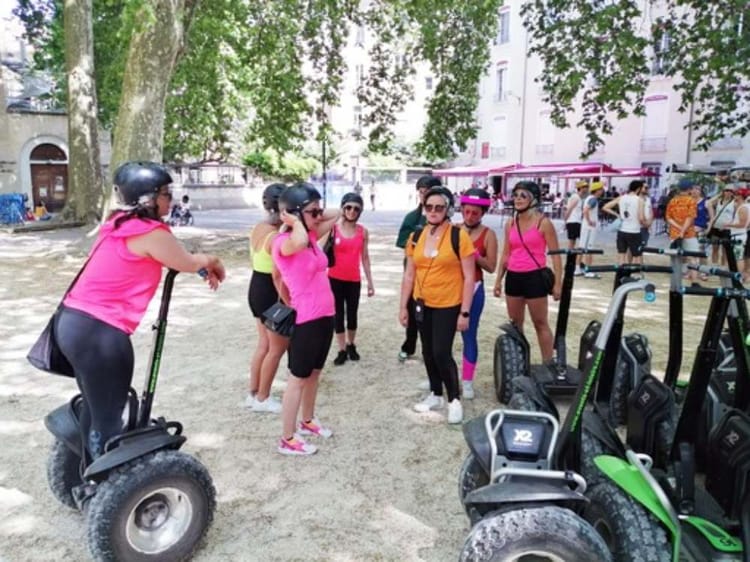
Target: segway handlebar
[
  {"x": 629, "y": 267},
  {"x": 710, "y": 270},
  {"x": 577, "y": 251},
  {"x": 726, "y": 292},
  {"x": 673, "y": 252}
]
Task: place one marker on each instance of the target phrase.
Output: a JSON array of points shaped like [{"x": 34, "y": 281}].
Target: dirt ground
[{"x": 384, "y": 487}]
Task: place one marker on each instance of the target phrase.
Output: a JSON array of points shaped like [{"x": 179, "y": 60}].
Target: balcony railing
[
  {"x": 497, "y": 152},
  {"x": 653, "y": 144},
  {"x": 727, "y": 143}
]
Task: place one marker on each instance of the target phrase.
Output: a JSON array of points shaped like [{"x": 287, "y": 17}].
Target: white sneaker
[
  {"x": 424, "y": 385},
  {"x": 455, "y": 411},
  {"x": 249, "y": 401},
  {"x": 432, "y": 402},
  {"x": 270, "y": 404},
  {"x": 468, "y": 390},
  {"x": 578, "y": 272},
  {"x": 591, "y": 275}
]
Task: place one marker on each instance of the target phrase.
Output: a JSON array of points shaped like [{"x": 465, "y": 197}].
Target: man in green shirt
[{"x": 412, "y": 221}]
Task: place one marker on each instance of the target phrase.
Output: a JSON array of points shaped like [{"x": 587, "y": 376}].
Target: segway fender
[
  {"x": 512, "y": 330},
  {"x": 632, "y": 481},
  {"x": 599, "y": 430},
  {"x": 131, "y": 448},
  {"x": 62, "y": 422},
  {"x": 531, "y": 490},
  {"x": 475, "y": 434}
]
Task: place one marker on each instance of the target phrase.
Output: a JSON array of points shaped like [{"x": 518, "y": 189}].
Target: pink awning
[
  {"x": 461, "y": 171},
  {"x": 618, "y": 173},
  {"x": 567, "y": 168}
]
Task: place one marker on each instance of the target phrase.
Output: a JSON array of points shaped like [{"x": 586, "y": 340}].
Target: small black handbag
[
  {"x": 280, "y": 318},
  {"x": 328, "y": 247}
]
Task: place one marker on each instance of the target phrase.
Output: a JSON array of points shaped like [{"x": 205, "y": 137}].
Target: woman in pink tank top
[
  {"x": 350, "y": 248},
  {"x": 110, "y": 297},
  {"x": 528, "y": 237}
]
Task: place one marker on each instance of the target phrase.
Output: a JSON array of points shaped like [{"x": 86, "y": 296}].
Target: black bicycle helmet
[
  {"x": 296, "y": 197},
  {"x": 476, "y": 196},
  {"x": 443, "y": 191},
  {"x": 271, "y": 197},
  {"x": 532, "y": 188},
  {"x": 428, "y": 181},
  {"x": 137, "y": 182},
  {"x": 352, "y": 198}
]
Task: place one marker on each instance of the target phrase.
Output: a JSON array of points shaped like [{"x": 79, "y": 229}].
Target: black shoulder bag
[
  {"x": 548, "y": 276},
  {"x": 45, "y": 353}
]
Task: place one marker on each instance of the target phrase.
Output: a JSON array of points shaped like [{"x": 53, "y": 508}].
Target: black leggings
[
  {"x": 346, "y": 295},
  {"x": 437, "y": 331},
  {"x": 102, "y": 359}
]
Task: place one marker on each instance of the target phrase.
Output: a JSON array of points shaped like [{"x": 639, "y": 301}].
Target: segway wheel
[
  {"x": 63, "y": 472},
  {"x": 630, "y": 532},
  {"x": 591, "y": 448},
  {"x": 509, "y": 362},
  {"x": 471, "y": 477},
  {"x": 157, "y": 507},
  {"x": 618, "y": 399},
  {"x": 548, "y": 533}
]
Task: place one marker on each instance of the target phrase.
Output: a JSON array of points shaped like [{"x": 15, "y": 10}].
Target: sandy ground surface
[{"x": 383, "y": 488}]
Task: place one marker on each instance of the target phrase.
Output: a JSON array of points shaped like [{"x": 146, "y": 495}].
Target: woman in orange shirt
[{"x": 442, "y": 284}]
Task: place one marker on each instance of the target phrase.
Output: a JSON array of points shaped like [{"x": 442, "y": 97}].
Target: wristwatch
[{"x": 464, "y": 314}]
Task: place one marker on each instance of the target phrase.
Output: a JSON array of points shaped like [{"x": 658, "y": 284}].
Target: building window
[
  {"x": 653, "y": 182},
  {"x": 503, "y": 28},
  {"x": 359, "y": 40},
  {"x": 359, "y": 74},
  {"x": 501, "y": 75},
  {"x": 545, "y": 133},
  {"x": 661, "y": 47},
  {"x": 485, "y": 150},
  {"x": 655, "y": 124},
  {"x": 357, "y": 124},
  {"x": 428, "y": 83}
]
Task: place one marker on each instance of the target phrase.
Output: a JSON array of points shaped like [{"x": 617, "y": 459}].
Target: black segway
[
  {"x": 512, "y": 356},
  {"x": 143, "y": 498}
]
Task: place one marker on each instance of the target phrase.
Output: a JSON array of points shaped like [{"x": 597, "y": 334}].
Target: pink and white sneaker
[
  {"x": 296, "y": 446},
  {"x": 313, "y": 427}
]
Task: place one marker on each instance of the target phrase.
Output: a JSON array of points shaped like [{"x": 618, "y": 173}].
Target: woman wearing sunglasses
[
  {"x": 302, "y": 266},
  {"x": 350, "y": 249},
  {"x": 442, "y": 285},
  {"x": 528, "y": 237},
  {"x": 474, "y": 204}
]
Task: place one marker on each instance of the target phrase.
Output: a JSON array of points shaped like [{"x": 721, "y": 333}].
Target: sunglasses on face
[
  {"x": 521, "y": 195},
  {"x": 355, "y": 208},
  {"x": 434, "y": 208},
  {"x": 314, "y": 213}
]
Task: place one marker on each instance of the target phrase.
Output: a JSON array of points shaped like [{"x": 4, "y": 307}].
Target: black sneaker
[
  {"x": 351, "y": 349},
  {"x": 340, "y": 358}
]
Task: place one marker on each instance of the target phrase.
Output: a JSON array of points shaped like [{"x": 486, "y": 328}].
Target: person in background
[
  {"x": 528, "y": 238},
  {"x": 738, "y": 229},
  {"x": 630, "y": 213},
  {"x": 722, "y": 210},
  {"x": 573, "y": 217},
  {"x": 302, "y": 266},
  {"x": 261, "y": 295},
  {"x": 413, "y": 221},
  {"x": 590, "y": 223},
  {"x": 474, "y": 204},
  {"x": 702, "y": 221},
  {"x": 442, "y": 285},
  {"x": 648, "y": 214},
  {"x": 350, "y": 248},
  {"x": 106, "y": 304},
  {"x": 372, "y": 195},
  {"x": 680, "y": 219}
]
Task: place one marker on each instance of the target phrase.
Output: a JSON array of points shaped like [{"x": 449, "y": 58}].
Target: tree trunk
[
  {"x": 160, "y": 26},
  {"x": 85, "y": 194}
]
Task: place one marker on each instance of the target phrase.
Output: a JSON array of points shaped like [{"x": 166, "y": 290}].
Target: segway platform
[{"x": 565, "y": 384}]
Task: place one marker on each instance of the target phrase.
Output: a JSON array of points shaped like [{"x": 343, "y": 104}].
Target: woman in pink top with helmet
[
  {"x": 528, "y": 237},
  {"x": 350, "y": 248},
  {"x": 302, "y": 266},
  {"x": 111, "y": 296}
]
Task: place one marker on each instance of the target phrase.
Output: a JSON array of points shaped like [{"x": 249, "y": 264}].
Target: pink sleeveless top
[
  {"x": 348, "y": 255},
  {"x": 304, "y": 274},
  {"x": 117, "y": 285},
  {"x": 519, "y": 259}
]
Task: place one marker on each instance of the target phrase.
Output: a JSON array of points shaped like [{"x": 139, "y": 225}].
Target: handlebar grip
[
  {"x": 600, "y": 268},
  {"x": 655, "y": 269},
  {"x": 690, "y": 254},
  {"x": 566, "y": 251},
  {"x": 734, "y": 275},
  {"x": 652, "y": 250},
  {"x": 705, "y": 291}
]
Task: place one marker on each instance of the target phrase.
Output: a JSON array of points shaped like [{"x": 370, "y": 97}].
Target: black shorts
[
  {"x": 573, "y": 229},
  {"x": 309, "y": 346},
  {"x": 527, "y": 284},
  {"x": 262, "y": 293},
  {"x": 632, "y": 241},
  {"x": 747, "y": 246}
]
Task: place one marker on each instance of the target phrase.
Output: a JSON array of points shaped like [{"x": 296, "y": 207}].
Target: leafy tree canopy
[
  {"x": 600, "y": 55},
  {"x": 264, "y": 72}
]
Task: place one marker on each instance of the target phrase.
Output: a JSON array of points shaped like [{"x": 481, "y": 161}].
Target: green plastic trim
[
  {"x": 627, "y": 477},
  {"x": 718, "y": 537},
  {"x": 682, "y": 384}
]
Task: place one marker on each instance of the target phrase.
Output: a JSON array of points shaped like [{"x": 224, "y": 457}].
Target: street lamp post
[{"x": 325, "y": 179}]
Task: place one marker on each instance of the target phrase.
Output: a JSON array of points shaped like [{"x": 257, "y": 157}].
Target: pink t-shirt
[
  {"x": 348, "y": 253},
  {"x": 304, "y": 274},
  {"x": 519, "y": 259},
  {"x": 117, "y": 285}
]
